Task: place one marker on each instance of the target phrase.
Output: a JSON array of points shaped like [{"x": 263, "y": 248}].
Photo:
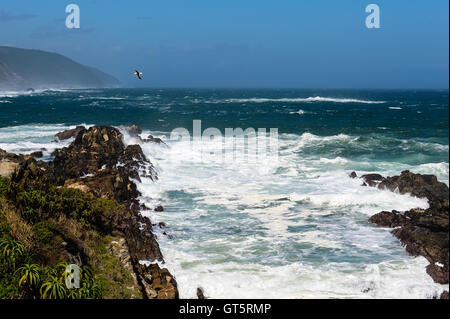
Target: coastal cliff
[
  {"x": 80, "y": 208},
  {"x": 22, "y": 69}
]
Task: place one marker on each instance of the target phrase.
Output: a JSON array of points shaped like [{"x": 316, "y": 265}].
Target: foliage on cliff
[{"x": 43, "y": 228}]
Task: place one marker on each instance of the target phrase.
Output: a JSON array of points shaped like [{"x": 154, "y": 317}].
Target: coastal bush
[
  {"x": 41, "y": 224},
  {"x": 21, "y": 279},
  {"x": 39, "y": 200}
]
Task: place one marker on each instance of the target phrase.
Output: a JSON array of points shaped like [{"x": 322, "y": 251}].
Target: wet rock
[
  {"x": 353, "y": 175},
  {"x": 389, "y": 219},
  {"x": 132, "y": 130},
  {"x": 65, "y": 135},
  {"x": 372, "y": 179},
  {"x": 157, "y": 283},
  {"x": 37, "y": 154},
  {"x": 423, "y": 232},
  {"x": 98, "y": 147},
  {"x": 151, "y": 139},
  {"x": 141, "y": 241},
  {"x": 438, "y": 273},
  {"x": 200, "y": 294},
  {"x": 133, "y": 162},
  {"x": 159, "y": 208},
  {"x": 419, "y": 185},
  {"x": 444, "y": 295}
]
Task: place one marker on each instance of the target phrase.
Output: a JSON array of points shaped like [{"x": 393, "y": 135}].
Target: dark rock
[
  {"x": 353, "y": 175},
  {"x": 133, "y": 161},
  {"x": 200, "y": 294},
  {"x": 438, "y": 273},
  {"x": 372, "y": 179},
  {"x": 108, "y": 183},
  {"x": 418, "y": 185},
  {"x": 65, "y": 135},
  {"x": 132, "y": 130},
  {"x": 141, "y": 241},
  {"x": 424, "y": 232},
  {"x": 98, "y": 147},
  {"x": 37, "y": 154},
  {"x": 444, "y": 295},
  {"x": 389, "y": 219},
  {"x": 156, "y": 283},
  {"x": 159, "y": 208},
  {"x": 151, "y": 139}
]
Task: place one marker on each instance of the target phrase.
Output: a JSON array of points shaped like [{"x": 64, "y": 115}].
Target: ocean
[{"x": 286, "y": 225}]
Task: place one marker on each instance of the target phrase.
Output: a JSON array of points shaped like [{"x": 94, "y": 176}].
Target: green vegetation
[
  {"x": 39, "y": 200},
  {"x": 34, "y": 281},
  {"x": 42, "y": 225}
]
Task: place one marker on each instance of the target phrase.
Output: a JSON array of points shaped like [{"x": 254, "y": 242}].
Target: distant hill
[{"x": 21, "y": 69}]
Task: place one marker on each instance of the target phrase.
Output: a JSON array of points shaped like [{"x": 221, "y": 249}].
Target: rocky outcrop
[
  {"x": 93, "y": 149},
  {"x": 151, "y": 139},
  {"x": 416, "y": 184},
  {"x": 157, "y": 282},
  {"x": 98, "y": 162},
  {"x": 132, "y": 130},
  {"x": 424, "y": 232},
  {"x": 65, "y": 135},
  {"x": 8, "y": 163}
]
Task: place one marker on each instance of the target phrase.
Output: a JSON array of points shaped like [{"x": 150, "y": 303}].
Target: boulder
[
  {"x": 8, "y": 163},
  {"x": 200, "y": 294},
  {"x": 157, "y": 283},
  {"x": 151, "y": 139},
  {"x": 37, "y": 154},
  {"x": 132, "y": 130},
  {"x": 65, "y": 135}
]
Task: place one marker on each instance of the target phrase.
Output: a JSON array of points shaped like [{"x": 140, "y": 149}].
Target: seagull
[{"x": 138, "y": 74}]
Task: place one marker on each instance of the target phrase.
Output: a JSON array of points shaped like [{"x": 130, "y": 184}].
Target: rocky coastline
[
  {"x": 98, "y": 163},
  {"x": 423, "y": 232}
]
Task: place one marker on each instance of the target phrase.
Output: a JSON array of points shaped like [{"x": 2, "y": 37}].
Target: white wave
[
  {"x": 395, "y": 108},
  {"x": 308, "y": 99},
  {"x": 299, "y": 112},
  {"x": 276, "y": 197},
  {"x": 337, "y": 160},
  {"x": 11, "y": 94}
]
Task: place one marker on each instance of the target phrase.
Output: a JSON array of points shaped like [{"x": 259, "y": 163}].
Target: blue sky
[{"x": 243, "y": 43}]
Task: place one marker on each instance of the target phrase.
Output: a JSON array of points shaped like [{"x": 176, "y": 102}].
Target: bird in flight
[{"x": 138, "y": 74}]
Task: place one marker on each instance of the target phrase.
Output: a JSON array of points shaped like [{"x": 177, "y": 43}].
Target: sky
[{"x": 243, "y": 43}]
